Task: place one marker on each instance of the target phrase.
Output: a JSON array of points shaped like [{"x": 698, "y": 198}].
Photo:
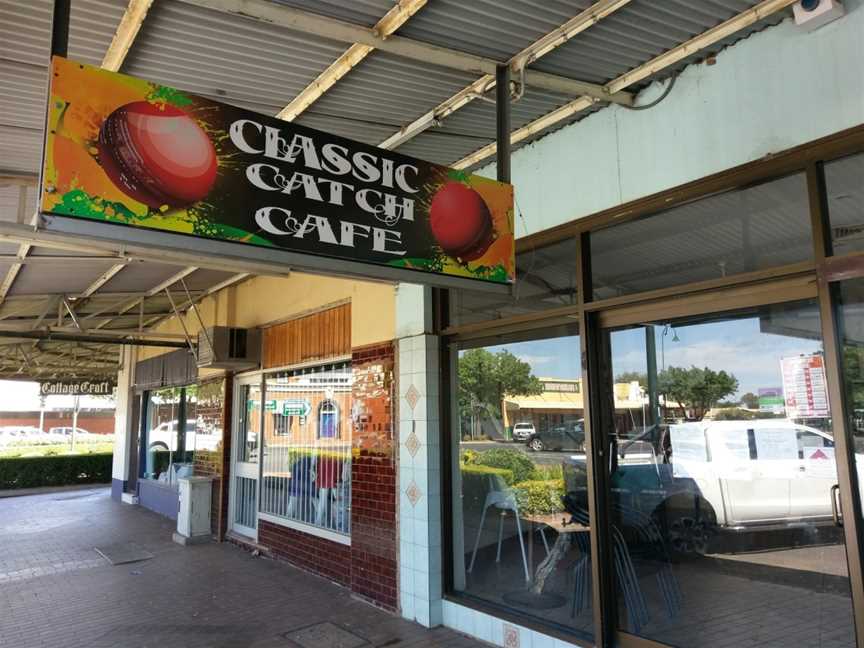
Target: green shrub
[
  {"x": 63, "y": 470},
  {"x": 514, "y": 460},
  {"x": 548, "y": 473},
  {"x": 536, "y": 497}
]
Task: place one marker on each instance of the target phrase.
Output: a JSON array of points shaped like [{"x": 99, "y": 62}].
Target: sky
[
  {"x": 21, "y": 396},
  {"x": 737, "y": 346}
]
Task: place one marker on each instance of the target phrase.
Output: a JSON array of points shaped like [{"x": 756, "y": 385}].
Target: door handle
[{"x": 835, "y": 505}]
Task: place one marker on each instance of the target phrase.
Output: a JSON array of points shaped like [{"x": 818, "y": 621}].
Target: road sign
[{"x": 296, "y": 407}]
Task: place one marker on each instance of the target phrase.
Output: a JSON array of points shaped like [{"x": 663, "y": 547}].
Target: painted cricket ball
[
  {"x": 157, "y": 154},
  {"x": 461, "y": 222}
]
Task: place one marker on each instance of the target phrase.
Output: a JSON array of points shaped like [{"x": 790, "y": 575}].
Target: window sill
[{"x": 309, "y": 529}]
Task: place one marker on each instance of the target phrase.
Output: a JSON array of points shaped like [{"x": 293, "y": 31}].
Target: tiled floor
[{"x": 55, "y": 590}]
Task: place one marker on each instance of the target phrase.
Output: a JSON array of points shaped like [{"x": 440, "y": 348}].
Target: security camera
[{"x": 812, "y": 14}]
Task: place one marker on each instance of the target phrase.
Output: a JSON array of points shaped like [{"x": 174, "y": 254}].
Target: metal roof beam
[
  {"x": 657, "y": 64},
  {"x": 541, "y": 47},
  {"x": 392, "y": 20},
  {"x": 127, "y": 30},
  {"x": 104, "y": 278},
  {"x": 330, "y": 28}
]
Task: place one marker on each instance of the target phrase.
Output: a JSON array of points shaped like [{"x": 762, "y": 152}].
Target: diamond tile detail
[
  {"x": 412, "y": 396},
  {"x": 413, "y": 494},
  {"x": 511, "y": 636},
  {"x": 412, "y": 443}
]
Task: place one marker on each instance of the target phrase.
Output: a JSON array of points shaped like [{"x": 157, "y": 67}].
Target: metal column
[{"x": 502, "y": 121}]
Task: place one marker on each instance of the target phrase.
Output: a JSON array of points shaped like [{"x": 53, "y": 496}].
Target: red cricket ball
[
  {"x": 157, "y": 154},
  {"x": 461, "y": 222}
]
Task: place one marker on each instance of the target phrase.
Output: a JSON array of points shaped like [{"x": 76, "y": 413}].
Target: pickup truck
[{"x": 696, "y": 479}]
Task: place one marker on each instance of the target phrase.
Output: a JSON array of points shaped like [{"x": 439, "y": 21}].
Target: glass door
[
  {"x": 722, "y": 471},
  {"x": 246, "y": 445}
]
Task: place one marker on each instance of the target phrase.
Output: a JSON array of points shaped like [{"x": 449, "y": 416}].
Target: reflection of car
[
  {"x": 66, "y": 431},
  {"x": 523, "y": 431},
  {"x": 164, "y": 437},
  {"x": 697, "y": 478},
  {"x": 567, "y": 437}
]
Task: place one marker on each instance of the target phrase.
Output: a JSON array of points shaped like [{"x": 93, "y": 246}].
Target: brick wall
[
  {"x": 369, "y": 565},
  {"x": 99, "y": 424},
  {"x": 214, "y": 409},
  {"x": 374, "y": 570}
]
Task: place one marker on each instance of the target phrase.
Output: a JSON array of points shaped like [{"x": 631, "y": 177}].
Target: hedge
[
  {"x": 514, "y": 460},
  {"x": 539, "y": 497},
  {"x": 61, "y": 470}
]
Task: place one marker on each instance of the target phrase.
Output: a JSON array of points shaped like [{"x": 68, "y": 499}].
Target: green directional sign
[
  {"x": 296, "y": 407},
  {"x": 270, "y": 406}
]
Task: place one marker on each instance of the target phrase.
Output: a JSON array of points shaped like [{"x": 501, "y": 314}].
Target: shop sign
[
  {"x": 771, "y": 400},
  {"x": 132, "y": 152},
  {"x": 77, "y": 387},
  {"x": 804, "y": 388},
  {"x": 296, "y": 407}
]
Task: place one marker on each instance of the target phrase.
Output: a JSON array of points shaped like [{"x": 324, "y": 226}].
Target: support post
[
  {"x": 60, "y": 28},
  {"x": 502, "y": 121}
]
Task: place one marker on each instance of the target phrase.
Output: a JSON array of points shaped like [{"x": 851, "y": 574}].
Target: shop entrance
[
  {"x": 245, "y": 467},
  {"x": 722, "y": 481}
]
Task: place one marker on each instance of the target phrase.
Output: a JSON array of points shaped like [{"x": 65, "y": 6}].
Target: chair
[{"x": 500, "y": 497}]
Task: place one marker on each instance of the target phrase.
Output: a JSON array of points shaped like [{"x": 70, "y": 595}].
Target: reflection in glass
[
  {"x": 169, "y": 434},
  {"x": 520, "y": 529},
  {"x": 306, "y": 476},
  {"x": 545, "y": 279},
  {"x": 720, "y": 501},
  {"x": 852, "y": 339},
  {"x": 737, "y": 231},
  {"x": 844, "y": 184}
]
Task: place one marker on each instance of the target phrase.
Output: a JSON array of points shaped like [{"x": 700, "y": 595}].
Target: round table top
[{"x": 557, "y": 522}]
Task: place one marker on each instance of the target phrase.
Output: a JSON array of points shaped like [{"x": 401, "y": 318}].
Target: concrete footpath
[{"x": 57, "y": 591}]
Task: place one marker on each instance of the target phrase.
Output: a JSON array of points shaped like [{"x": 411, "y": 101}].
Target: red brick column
[
  {"x": 214, "y": 410},
  {"x": 374, "y": 569}
]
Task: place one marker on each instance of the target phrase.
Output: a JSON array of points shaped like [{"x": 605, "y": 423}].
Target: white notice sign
[{"x": 804, "y": 387}]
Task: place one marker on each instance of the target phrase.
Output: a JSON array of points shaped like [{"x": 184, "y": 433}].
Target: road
[{"x": 545, "y": 457}]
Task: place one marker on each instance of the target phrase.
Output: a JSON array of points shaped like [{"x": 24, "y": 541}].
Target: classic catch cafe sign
[
  {"x": 77, "y": 387},
  {"x": 125, "y": 150}
]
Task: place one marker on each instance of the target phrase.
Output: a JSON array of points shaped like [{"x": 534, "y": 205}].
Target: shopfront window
[
  {"x": 306, "y": 472},
  {"x": 750, "y": 229},
  {"x": 721, "y": 468},
  {"x": 545, "y": 279},
  {"x": 169, "y": 433},
  {"x": 844, "y": 184},
  {"x": 521, "y": 540}
]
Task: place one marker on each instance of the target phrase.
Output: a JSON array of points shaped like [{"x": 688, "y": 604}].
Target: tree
[
  {"x": 633, "y": 376},
  {"x": 699, "y": 388},
  {"x": 750, "y": 400},
  {"x": 484, "y": 379}
]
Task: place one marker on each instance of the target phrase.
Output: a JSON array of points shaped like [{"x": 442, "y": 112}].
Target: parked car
[
  {"x": 66, "y": 431},
  {"x": 569, "y": 437},
  {"x": 698, "y": 479},
  {"x": 523, "y": 431}
]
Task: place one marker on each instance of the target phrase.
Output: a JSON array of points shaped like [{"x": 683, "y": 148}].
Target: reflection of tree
[
  {"x": 633, "y": 376},
  {"x": 750, "y": 400},
  {"x": 700, "y": 388},
  {"x": 484, "y": 379}
]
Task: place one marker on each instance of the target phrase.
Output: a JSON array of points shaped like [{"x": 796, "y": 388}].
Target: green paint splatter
[
  {"x": 79, "y": 203},
  {"x": 459, "y": 175},
  {"x": 169, "y": 96},
  {"x": 416, "y": 263}
]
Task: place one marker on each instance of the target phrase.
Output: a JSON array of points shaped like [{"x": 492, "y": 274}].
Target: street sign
[{"x": 296, "y": 407}]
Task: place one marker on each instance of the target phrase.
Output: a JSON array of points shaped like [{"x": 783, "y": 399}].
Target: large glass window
[
  {"x": 169, "y": 433},
  {"x": 721, "y": 467},
  {"x": 738, "y": 231},
  {"x": 306, "y": 473},
  {"x": 844, "y": 183},
  {"x": 545, "y": 279},
  {"x": 520, "y": 528}
]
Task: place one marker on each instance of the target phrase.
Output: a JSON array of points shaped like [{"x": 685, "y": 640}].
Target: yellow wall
[{"x": 265, "y": 300}]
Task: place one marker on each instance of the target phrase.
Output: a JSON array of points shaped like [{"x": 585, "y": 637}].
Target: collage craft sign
[{"x": 124, "y": 150}]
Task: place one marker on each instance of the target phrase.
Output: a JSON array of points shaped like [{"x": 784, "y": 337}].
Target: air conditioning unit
[
  {"x": 224, "y": 347},
  {"x": 812, "y": 14}
]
